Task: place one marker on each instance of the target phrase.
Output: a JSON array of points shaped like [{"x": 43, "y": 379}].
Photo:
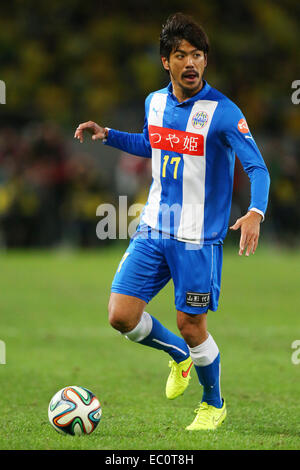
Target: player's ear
[
  {"x": 205, "y": 60},
  {"x": 165, "y": 63}
]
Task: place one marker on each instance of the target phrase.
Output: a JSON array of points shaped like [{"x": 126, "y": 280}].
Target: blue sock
[
  {"x": 151, "y": 332},
  {"x": 209, "y": 377},
  {"x": 206, "y": 359}
]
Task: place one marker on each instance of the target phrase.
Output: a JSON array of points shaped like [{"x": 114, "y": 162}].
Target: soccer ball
[{"x": 74, "y": 410}]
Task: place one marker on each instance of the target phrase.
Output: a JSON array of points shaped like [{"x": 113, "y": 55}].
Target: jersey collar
[{"x": 199, "y": 96}]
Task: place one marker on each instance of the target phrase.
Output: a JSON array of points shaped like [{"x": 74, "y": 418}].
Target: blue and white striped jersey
[{"x": 193, "y": 146}]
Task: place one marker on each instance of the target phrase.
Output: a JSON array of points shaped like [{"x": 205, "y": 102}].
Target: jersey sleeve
[
  {"x": 134, "y": 143},
  {"x": 237, "y": 135}
]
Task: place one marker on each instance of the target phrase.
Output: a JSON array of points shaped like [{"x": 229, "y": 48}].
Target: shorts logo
[
  {"x": 195, "y": 299},
  {"x": 243, "y": 126},
  {"x": 200, "y": 119}
]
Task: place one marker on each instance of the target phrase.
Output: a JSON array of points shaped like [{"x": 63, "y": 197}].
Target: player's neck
[{"x": 183, "y": 94}]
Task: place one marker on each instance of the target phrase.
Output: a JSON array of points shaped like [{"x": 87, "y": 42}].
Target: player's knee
[
  {"x": 124, "y": 312},
  {"x": 117, "y": 317},
  {"x": 192, "y": 328},
  {"x": 186, "y": 329}
]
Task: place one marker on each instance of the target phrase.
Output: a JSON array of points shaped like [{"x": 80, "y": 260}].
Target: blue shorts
[{"x": 148, "y": 264}]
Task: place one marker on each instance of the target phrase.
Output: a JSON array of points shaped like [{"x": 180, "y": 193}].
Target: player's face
[{"x": 186, "y": 65}]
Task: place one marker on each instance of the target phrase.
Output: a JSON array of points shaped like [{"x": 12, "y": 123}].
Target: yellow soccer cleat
[
  {"x": 208, "y": 417},
  {"x": 179, "y": 378}
]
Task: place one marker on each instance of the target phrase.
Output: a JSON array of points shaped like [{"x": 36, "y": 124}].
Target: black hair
[{"x": 178, "y": 27}]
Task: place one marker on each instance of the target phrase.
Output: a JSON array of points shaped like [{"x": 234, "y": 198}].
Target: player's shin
[
  {"x": 206, "y": 359},
  {"x": 150, "y": 332}
]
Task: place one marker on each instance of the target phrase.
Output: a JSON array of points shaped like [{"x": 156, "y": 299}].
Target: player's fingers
[
  {"x": 86, "y": 125},
  {"x": 79, "y": 132},
  {"x": 236, "y": 225},
  {"x": 78, "y": 135},
  {"x": 255, "y": 245},
  {"x": 243, "y": 243},
  {"x": 89, "y": 126},
  {"x": 250, "y": 245}
]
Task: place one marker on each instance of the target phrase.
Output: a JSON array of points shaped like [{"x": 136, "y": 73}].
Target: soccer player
[{"x": 192, "y": 133}]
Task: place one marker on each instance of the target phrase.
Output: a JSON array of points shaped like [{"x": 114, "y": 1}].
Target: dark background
[{"x": 68, "y": 62}]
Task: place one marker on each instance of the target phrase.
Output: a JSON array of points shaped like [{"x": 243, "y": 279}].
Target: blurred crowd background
[{"x": 67, "y": 62}]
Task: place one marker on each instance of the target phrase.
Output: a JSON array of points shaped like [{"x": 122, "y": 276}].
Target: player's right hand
[{"x": 97, "y": 132}]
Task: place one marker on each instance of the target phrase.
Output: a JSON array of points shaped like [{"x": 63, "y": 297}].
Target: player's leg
[
  {"x": 141, "y": 274},
  {"x": 206, "y": 358},
  {"x": 197, "y": 274},
  {"x": 125, "y": 311},
  {"x": 204, "y": 353},
  {"x": 127, "y": 315}
]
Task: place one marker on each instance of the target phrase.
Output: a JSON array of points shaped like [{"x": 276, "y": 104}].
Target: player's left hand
[{"x": 250, "y": 228}]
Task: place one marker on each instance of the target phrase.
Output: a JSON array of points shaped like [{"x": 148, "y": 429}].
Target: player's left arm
[{"x": 239, "y": 137}]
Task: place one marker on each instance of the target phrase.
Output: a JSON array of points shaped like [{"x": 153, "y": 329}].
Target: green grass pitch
[{"x": 53, "y": 320}]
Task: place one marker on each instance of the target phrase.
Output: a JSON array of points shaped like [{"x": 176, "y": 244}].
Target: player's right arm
[
  {"x": 136, "y": 144},
  {"x": 133, "y": 143},
  {"x": 97, "y": 132}
]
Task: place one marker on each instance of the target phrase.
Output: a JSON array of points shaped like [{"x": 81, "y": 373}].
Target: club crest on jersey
[
  {"x": 200, "y": 119},
  {"x": 243, "y": 126}
]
